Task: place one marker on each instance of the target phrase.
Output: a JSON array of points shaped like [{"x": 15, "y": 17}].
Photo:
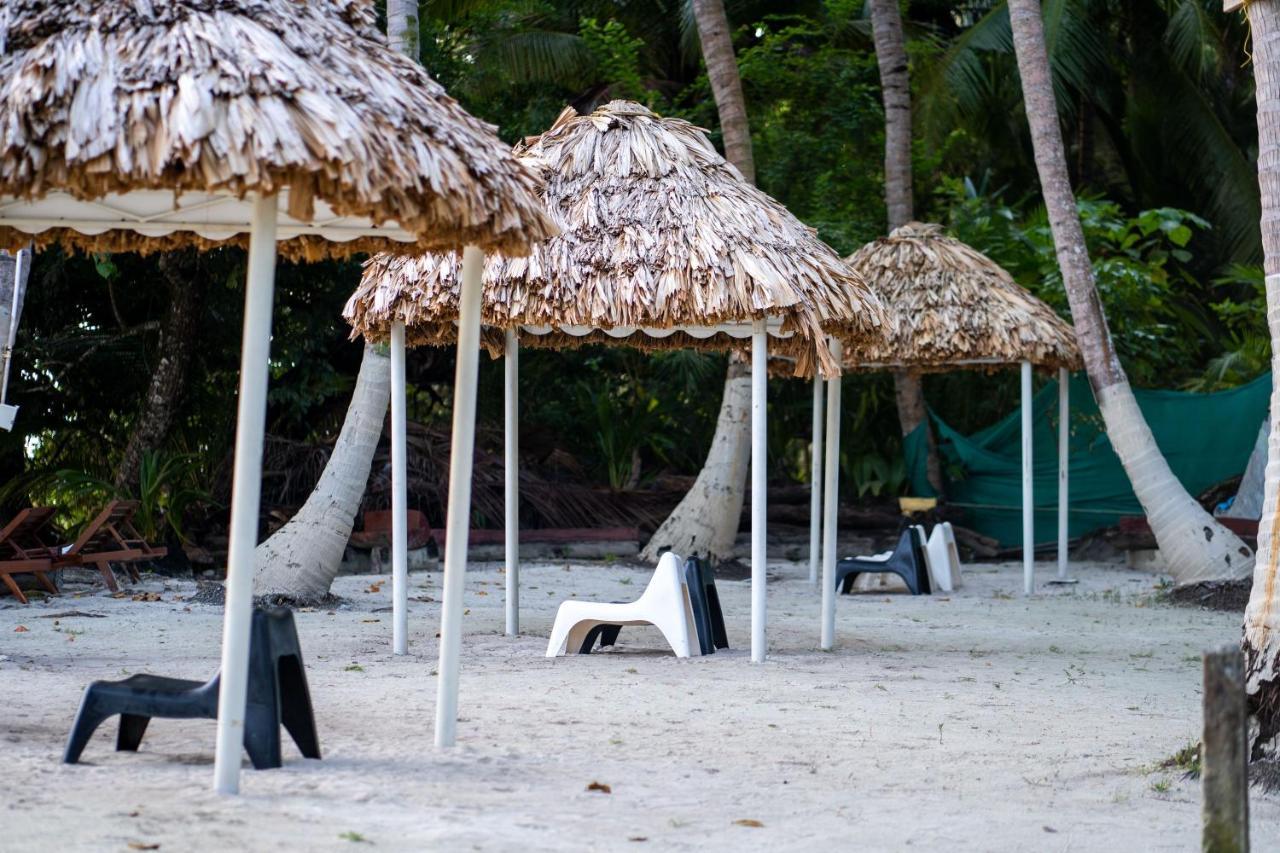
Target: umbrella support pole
[
  {"x": 759, "y": 485},
  {"x": 458, "y": 513},
  {"x": 511, "y": 452},
  {"x": 399, "y": 497},
  {"x": 815, "y": 483},
  {"x": 831, "y": 483},
  {"x": 1064, "y": 463},
  {"x": 1028, "y": 505},
  {"x": 246, "y": 492}
]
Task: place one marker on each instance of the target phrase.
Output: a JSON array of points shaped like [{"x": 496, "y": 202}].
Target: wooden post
[{"x": 1224, "y": 754}]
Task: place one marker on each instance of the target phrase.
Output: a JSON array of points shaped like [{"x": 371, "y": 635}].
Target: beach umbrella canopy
[
  {"x": 662, "y": 245},
  {"x": 955, "y": 307},
  {"x": 144, "y": 125},
  {"x": 149, "y": 125}
]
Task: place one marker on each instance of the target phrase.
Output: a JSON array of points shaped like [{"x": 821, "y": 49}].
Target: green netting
[{"x": 1207, "y": 438}]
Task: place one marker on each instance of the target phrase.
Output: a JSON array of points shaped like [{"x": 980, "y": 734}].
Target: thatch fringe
[
  {"x": 954, "y": 307},
  {"x": 248, "y": 96},
  {"x": 657, "y": 230}
]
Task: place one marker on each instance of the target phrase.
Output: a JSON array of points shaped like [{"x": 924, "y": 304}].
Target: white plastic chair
[
  {"x": 664, "y": 604},
  {"x": 943, "y": 557}
]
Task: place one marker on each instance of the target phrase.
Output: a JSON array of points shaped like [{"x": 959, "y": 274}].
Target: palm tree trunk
[
  {"x": 1195, "y": 547},
  {"x": 177, "y": 342},
  {"x": 726, "y": 84},
  {"x": 706, "y": 519},
  {"x": 895, "y": 88},
  {"x": 1262, "y": 616},
  {"x": 301, "y": 559}
]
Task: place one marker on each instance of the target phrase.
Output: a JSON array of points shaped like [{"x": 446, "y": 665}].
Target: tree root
[{"x": 1230, "y": 596}]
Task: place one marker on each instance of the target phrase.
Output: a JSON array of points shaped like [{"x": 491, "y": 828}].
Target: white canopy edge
[
  {"x": 156, "y": 213},
  {"x": 733, "y": 330}
]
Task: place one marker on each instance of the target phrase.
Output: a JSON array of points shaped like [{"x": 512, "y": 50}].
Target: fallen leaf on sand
[
  {"x": 601, "y": 787},
  {"x": 142, "y": 845},
  {"x": 746, "y": 821},
  {"x": 147, "y": 596},
  {"x": 21, "y": 629},
  {"x": 638, "y": 838}
]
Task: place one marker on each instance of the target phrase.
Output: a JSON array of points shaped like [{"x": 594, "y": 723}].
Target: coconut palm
[
  {"x": 302, "y": 558},
  {"x": 1262, "y": 616},
  {"x": 706, "y": 519},
  {"x": 1195, "y": 547},
  {"x": 895, "y": 88}
]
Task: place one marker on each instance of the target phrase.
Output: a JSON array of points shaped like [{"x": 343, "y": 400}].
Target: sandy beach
[{"x": 979, "y": 720}]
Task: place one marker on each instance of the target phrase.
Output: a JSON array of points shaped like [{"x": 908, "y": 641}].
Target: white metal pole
[
  {"x": 815, "y": 484},
  {"x": 759, "y": 485},
  {"x": 1064, "y": 440},
  {"x": 512, "y": 452},
  {"x": 246, "y": 490},
  {"x": 831, "y": 507},
  {"x": 1028, "y": 506},
  {"x": 18, "y": 258},
  {"x": 458, "y": 514},
  {"x": 399, "y": 498}
]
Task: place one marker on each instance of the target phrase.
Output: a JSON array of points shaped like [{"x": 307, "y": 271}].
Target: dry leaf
[
  {"x": 21, "y": 629},
  {"x": 746, "y": 821},
  {"x": 601, "y": 787},
  {"x": 142, "y": 845}
]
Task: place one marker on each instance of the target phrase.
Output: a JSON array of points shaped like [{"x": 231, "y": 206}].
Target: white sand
[{"x": 976, "y": 721}]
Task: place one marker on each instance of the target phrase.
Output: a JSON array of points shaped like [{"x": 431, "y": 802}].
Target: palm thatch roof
[
  {"x": 955, "y": 307},
  {"x": 658, "y": 232},
  {"x": 306, "y": 99}
]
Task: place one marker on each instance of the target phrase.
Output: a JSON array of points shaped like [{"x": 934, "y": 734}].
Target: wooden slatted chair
[
  {"x": 102, "y": 543},
  {"x": 22, "y": 551}
]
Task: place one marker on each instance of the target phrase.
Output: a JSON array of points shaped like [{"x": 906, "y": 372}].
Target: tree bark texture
[
  {"x": 178, "y": 340},
  {"x": 1194, "y": 546},
  {"x": 1262, "y": 615}
]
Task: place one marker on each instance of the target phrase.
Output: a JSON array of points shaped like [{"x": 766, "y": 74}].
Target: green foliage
[
  {"x": 616, "y": 55},
  {"x": 1140, "y": 263},
  {"x": 874, "y": 474}
]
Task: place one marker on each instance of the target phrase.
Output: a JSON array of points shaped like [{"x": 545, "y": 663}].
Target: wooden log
[{"x": 1224, "y": 754}]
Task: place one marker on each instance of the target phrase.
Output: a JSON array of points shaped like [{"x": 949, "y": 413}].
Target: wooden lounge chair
[
  {"x": 18, "y": 555},
  {"x": 105, "y": 541}
]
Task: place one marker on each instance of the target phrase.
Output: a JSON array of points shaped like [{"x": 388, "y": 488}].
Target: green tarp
[{"x": 1207, "y": 438}]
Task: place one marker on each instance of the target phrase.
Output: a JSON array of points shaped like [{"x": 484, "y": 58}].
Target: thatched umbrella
[
  {"x": 956, "y": 308},
  {"x": 662, "y": 244},
  {"x": 268, "y": 123}
]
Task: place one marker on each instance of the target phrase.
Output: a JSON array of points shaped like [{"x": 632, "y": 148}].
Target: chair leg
[
  {"x": 13, "y": 588},
  {"x": 46, "y": 583},
  {"x": 609, "y": 635},
  {"x": 108, "y": 576},
  {"x": 589, "y": 642},
  {"x": 849, "y": 580},
  {"x": 559, "y": 634},
  {"x": 88, "y": 718},
  {"x": 295, "y": 707},
  {"x": 578, "y": 635},
  {"x": 262, "y": 737},
  {"x": 132, "y": 728},
  {"x": 675, "y": 627}
]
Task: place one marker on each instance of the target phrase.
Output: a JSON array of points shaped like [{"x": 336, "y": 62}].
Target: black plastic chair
[
  {"x": 907, "y": 561},
  {"x": 707, "y": 616},
  {"x": 277, "y": 694}
]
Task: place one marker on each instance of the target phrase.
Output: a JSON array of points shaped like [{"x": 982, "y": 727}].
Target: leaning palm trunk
[
  {"x": 1195, "y": 547},
  {"x": 706, "y": 520},
  {"x": 1262, "y": 616},
  {"x": 301, "y": 559},
  {"x": 895, "y": 86}
]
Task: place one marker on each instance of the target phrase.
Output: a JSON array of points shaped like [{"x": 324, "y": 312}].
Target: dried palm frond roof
[
  {"x": 658, "y": 232},
  {"x": 955, "y": 307},
  {"x": 100, "y": 99}
]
